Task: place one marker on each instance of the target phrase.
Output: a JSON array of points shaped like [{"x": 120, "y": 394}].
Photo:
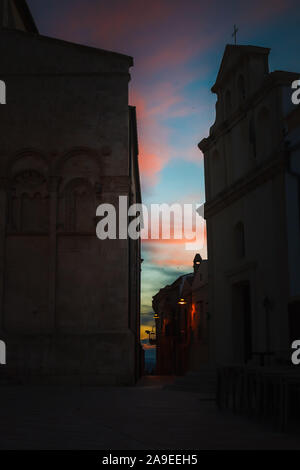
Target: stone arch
[
  {"x": 29, "y": 157},
  {"x": 28, "y": 198},
  {"x": 77, "y": 206},
  {"x": 74, "y": 154}
]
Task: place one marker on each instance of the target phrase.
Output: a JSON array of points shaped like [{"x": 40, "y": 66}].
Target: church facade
[
  {"x": 251, "y": 159},
  {"x": 69, "y": 303}
]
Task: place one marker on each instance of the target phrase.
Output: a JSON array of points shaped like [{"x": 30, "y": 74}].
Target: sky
[{"x": 177, "y": 46}]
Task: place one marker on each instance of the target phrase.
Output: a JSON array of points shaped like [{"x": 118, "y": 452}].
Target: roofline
[
  {"x": 132, "y": 114},
  {"x": 72, "y": 44},
  {"x": 175, "y": 284},
  {"x": 246, "y": 50},
  {"x": 27, "y": 17}
]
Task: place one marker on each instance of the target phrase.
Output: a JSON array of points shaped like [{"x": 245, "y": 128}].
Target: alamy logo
[
  {"x": 2, "y": 353},
  {"x": 2, "y": 92},
  {"x": 296, "y": 94},
  {"x": 157, "y": 222},
  {"x": 296, "y": 354}
]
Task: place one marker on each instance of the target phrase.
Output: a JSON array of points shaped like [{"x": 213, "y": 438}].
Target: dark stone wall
[{"x": 64, "y": 149}]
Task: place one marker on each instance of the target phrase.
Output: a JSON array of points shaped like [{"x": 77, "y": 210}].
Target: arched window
[
  {"x": 239, "y": 240},
  {"x": 77, "y": 206},
  {"x": 29, "y": 205},
  {"x": 241, "y": 89},
  {"x": 34, "y": 213}
]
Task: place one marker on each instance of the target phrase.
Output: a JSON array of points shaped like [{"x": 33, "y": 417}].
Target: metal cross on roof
[{"x": 235, "y": 30}]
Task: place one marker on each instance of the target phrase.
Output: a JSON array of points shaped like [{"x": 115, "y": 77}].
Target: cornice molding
[
  {"x": 273, "y": 80},
  {"x": 276, "y": 164}
]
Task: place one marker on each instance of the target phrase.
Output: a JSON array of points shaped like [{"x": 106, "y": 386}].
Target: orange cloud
[
  {"x": 143, "y": 330},
  {"x": 150, "y": 165},
  {"x": 142, "y": 29},
  {"x": 172, "y": 240},
  {"x": 154, "y": 152},
  {"x": 172, "y": 254},
  {"x": 157, "y": 103},
  {"x": 163, "y": 36},
  {"x": 175, "y": 53}
]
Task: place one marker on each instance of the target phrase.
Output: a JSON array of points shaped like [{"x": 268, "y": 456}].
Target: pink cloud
[
  {"x": 153, "y": 150},
  {"x": 163, "y": 36},
  {"x": 154, "y": 105},
  {"x": 173, "y": 255},
  {"x": 172, "y": 54}
]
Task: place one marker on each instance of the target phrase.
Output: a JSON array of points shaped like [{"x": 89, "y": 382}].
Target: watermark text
[
  {"x": 2, "y": 92},
  {"x": 2, "y": 353},
  {"x": 296, "y": 93},
  {"x": 183, "y": 222}
]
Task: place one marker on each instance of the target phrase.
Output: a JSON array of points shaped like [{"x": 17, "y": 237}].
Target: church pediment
[{"x": 231, "y": 58}]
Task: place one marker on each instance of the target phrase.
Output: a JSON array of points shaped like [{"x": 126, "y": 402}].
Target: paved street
[{"x": 143, "y": 417}]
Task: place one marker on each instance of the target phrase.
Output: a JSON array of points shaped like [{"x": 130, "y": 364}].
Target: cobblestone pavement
[{"x": 143, "y": 417}]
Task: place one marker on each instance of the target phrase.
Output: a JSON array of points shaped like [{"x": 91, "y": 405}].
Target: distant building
[
  {"x": 69, "y": 303},
  {"x": 182, "y": 322},
  {"x": 251, "y": 160}
]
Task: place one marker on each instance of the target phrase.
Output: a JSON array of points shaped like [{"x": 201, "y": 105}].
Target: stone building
[
  {"x": 251, "y": 160},
  {"x": 69, "y": 303},
  {"x": 182, "y": 320},
  {"x": 196, "y": 296}
]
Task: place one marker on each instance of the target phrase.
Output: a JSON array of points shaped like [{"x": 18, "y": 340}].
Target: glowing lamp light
[
  {"x": 156, "y": 316},
  {"x": 182, "y": 302}
]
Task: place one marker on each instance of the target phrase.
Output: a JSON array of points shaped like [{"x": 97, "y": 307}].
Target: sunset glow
[{"x": 177, "y": 46}]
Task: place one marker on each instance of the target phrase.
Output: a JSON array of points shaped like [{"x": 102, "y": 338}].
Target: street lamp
[
  {"x": 182, "y": 302},
  {"x": 152, "y": 336}
]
